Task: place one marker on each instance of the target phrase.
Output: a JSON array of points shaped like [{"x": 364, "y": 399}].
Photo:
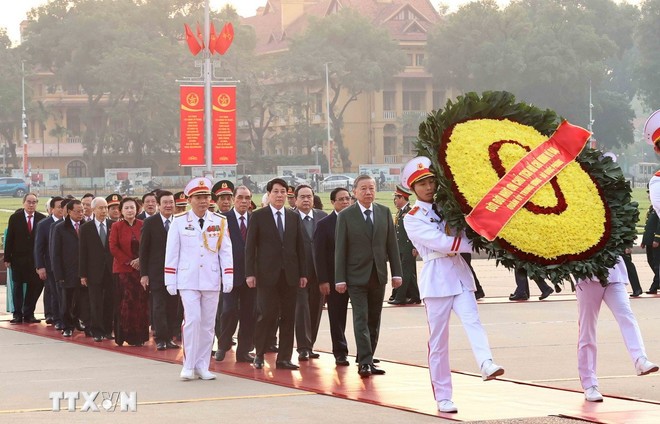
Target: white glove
[
  {"x": 171, "y": 289},
  {"x": 226, "y": 287}
]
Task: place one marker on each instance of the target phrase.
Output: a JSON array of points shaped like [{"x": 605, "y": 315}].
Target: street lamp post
[
  {"x": 23, "y": 119},
  {"x": 327, "y": 117}
]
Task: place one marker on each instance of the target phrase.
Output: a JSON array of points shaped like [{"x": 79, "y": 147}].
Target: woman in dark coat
[{"x": 131, "y": 298}]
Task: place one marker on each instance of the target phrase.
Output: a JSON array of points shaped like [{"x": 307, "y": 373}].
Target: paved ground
[{"x": 534, "y": 341}]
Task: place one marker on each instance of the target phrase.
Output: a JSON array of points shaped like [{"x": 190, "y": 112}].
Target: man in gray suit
[
  {"x": 309, "y": 302},
  {"x": 365, "y": 242}
]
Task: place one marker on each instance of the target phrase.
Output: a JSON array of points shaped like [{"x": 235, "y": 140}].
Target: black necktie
[
  {"x": 309, "y": 226},
  {"x": 436, "y": 210},
  {"x": 280, "y": 226},
  {"x": 167, "y": 225},
  {"x": 370, "y": 223},
  {"x": 201, "y": 223}
]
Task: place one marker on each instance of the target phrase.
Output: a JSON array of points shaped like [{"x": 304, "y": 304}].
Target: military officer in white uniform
[
  {"x": 590, "y": 295},
  {"x": 446, "y": 283},
  {"x": 652, "y": 137},
  {"x": 198, "y": 263}
]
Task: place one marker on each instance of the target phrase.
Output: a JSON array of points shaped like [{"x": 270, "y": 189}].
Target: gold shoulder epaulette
[{"x": 220, "y": 215}]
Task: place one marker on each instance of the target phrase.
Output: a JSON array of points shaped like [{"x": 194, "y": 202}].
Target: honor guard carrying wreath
[
  {"x": 198, "y": 263},
  {"x": 445, "y": 284}
]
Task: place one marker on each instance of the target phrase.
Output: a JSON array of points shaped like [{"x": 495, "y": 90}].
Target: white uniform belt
[{"x": 436, "y": 255}]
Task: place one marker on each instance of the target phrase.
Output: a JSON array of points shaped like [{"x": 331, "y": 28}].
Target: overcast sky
[{"x": 15, "y": 11}]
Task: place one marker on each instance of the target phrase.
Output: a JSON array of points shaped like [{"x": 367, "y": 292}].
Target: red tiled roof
[{"x": 269, "y": 31}]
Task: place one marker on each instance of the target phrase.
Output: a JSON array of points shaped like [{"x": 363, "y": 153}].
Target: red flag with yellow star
[
  {"x": 225, "y": 39},
  {"x": 193, "y": 44}
]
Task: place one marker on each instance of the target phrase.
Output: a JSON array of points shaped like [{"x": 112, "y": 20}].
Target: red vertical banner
[
  {"x": 192, "y": 125},
  {"x": 223, "y": 149}
]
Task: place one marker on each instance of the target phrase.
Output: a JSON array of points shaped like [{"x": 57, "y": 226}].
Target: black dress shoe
[
  {"x": 364, "y": 370},
  {"x": 171, "y": 345},
  {"x": 391, "y": 298},
  {"x": 258, "y": 362},
  {"x": 247, "y": 357},
  {"x": 636, "y": 294},
  {"x": 67, "y": 333},
  {"x": 414, "y": 301},
  {"x": 272, "y": 348},
  {"x": 16, "y": 321},
  {"x": 59, "y": 326},
  {"x": 88, "y": 333},
  {"x": 397, "y": 302},
  {"x": 516, "y": 296},
  {"x": 546, "y": 293},
  {"x": 303, "y": 356},
  {"x": 479, "y": 294},
  {"x": 98, "y": 338},
  {"x": 313, "y": 355},
  {"x": 80, "y": 327},
  {"x": 286, "y": 365},
  {"x": 220, "y": 355},
  {"x": 32, "y": 320},
  {"x": 108, "y": 336},
  {"x": 342, "y": 361},
  {"x": 557, "y": 288},
  {"x": 651, "y": 292},
  {"x": 49, "y": 321},
  {"x": 375, "y": 361},
  {"x": 161, "y": 346},
  {"x": 376, "y": 371}
]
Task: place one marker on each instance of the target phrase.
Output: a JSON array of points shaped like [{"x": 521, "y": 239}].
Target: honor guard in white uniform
[
  {"x": 591, "y": 293},
  {"x": 446, "y": 283},
  {"x": 652, "y": 137},
  {"x": 198, "y": 263}
]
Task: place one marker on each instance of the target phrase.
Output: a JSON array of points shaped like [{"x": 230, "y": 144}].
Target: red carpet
[{"x": 405, "y": 387}]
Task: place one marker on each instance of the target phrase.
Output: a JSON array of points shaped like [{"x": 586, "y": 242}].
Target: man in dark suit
[
  {"x": 651, "y": 244},
  {"x": 19, "y": 255},
  {"x": 409, "y": 291},
  {"x": 365, "y": 242},
  {"x": 42, "y": 262},
  {"x": 239, "y": 305},
  {"x": 324, "y": 262},
  {"x": 65, "y": 256},
  {"x": 275, "y": 265},
  {"x": 309, "y": 303},
  {"x": 152, "y": 272},
  {"x": 149, "y": 205},
  {"x": 96, "y": 269}
]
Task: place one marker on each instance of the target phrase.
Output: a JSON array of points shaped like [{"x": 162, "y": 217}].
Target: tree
[
  {"x": 123, "y": 56},
  {"x": 10, "y": 98},
  {"x": 648, "y": 67},
  {"x": 361, "y": 57},
  {"x": 547, "y": 52}
]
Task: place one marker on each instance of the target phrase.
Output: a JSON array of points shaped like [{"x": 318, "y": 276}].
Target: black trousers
[
  {"x": 522, "y": 283},
  {"x": 632, "y": 273},
  {"x": 337, "y": 310},
  {"x": 74, "y": 306},
  {"x": 273, "y": 301},
  {"x": 409, "y": 288},
  {"x": 239, "y": 307},
  {"x": 653, "y": 259},
  {"x": 52, "y": 298},
  {"x": 101, "y": 305},
  {"x": 164, "y": 308},
  {"x": 25, "y": 304}
]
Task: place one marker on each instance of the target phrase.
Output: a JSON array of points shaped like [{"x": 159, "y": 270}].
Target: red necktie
[
  {"x": 243, "y": 228},
  {"x": 30, "y": 224},
  {"x": 77, "y": 225}
]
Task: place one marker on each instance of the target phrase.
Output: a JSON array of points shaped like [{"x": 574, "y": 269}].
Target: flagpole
[{"x": 207, "y": 89}]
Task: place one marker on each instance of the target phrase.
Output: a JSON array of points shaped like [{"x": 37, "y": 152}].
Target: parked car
[
  {"x": 331, "y": 182},
  {"x": 291, "y": 180},
  {"x": 13, "y": 187}
]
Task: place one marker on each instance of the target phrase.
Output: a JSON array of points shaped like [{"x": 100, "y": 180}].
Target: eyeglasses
[{"x": 342, "y": 199}]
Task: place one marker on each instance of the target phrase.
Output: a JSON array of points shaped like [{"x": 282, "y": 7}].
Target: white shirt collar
[
  {"x": 303, "y": 215},
  {"x": 371, "y": 208},
  {"x": 238, "y": 216},
  {"x": 164, "y": 219}
]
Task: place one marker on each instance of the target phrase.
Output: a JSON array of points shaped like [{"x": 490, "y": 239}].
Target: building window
[
  {"x": 411, "y": 59},
  {"x": 389, "y": 145},
  {"x": 419, "y": 60},
  {"x": 389, "y": 100},
  {"x": 409, "y": 144},
  {"x": 414, "y": 100},
  {"x": 76, "y": 169}
]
